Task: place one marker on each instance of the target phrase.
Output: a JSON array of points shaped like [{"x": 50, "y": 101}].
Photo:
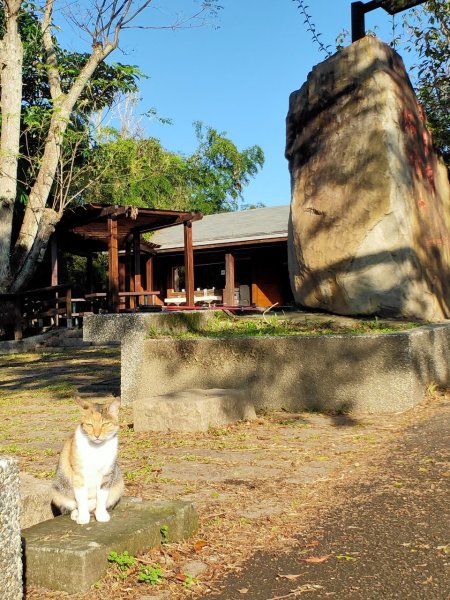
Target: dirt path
[{"x": 257, "y": 486}]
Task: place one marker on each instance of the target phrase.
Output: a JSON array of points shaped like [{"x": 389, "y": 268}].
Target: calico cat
[{"x": 88, "y": 478}]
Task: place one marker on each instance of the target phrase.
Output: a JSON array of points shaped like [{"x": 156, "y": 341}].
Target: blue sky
[{"x": 236, "y": 75}]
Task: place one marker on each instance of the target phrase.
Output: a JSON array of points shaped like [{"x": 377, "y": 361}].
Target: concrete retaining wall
[
  {"x": 10, "y": 541},
  {"x": 368, "y": 373}
]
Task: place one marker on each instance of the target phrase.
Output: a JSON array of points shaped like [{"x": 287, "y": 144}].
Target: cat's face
[{"x": 99, "y": 422}]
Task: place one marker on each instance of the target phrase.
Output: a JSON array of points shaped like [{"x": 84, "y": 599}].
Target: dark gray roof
[{"x": 231, "y": 227}]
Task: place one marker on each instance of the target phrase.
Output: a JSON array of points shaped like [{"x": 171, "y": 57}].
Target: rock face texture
[
  {"x": 10, "y": 542},
  {"x": 369, "y": 229}
]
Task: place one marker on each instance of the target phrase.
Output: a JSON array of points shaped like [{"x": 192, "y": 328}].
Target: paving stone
[{"x": 61, "y": 555}]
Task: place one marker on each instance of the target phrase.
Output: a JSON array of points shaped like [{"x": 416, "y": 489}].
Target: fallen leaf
[
  {"x": 316, "y": 560},
  {"x": 180, "y": 577},
  {"x": 243, "y": 590},
  {"x": 312, "y": 544},
  {"x": 199, "y": 545},
  {"x": 290, "y": 577},
  {"x": 345, "y": 556}
]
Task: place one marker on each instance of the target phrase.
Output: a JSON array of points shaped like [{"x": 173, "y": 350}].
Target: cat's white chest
[{"x": 96, "y": 459}]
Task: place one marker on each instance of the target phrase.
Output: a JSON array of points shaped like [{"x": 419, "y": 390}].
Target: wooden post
[
  {"x": 54, "y": 272},
  {"x": 188, "y": 263},
  {"x": 137, "y": 265},
  {"x": 228, "y": 295},
  {"x": 149, "y": 275},
  {"x": 54, "y": 260},
  {"x": 129, "y": 278},
  {"x": 89, "y": 272},
  {"x": 18, "y": 318},
  {"x": 113, "y": 271},
  {"x": 69, "y": 323}
]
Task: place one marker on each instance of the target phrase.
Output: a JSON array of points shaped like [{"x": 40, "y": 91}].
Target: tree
[
  {"x": 429, "y": 29},
  {"x": 104, "y": 23},
  {"x": 141, "y": 172}
]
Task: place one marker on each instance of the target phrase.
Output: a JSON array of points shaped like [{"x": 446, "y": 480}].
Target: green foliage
[
  {"x": 429, "y": 37},
  {"x": 219, "y": 171},
  {"x": 106, "y": 84},
  {"x": 164, "y": 531},
  {"x": 140, "y": 172},
  {"x": 152, "y": 575},
  {"x": 123, "y": 560}
]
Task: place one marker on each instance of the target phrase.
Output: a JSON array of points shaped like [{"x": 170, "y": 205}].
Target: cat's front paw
[
  {"x": 83, "y": 518},
  {"x": 102, "y": 516}
]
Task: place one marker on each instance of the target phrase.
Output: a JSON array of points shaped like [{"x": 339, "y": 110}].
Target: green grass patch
[{"x": 224, "y": 326}]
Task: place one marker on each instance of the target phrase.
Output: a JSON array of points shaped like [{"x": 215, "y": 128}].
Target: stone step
[
  {"x": 61, "y": 555},
  {"x": 192, "y": 410}
]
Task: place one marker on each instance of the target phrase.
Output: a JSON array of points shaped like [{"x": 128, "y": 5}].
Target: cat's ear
[
  {"x": 85, "y": 404},
  {"x": 113, "y": 408}
]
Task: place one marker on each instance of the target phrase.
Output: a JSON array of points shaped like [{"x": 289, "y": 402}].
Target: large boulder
[{"x": 369, "y": 229}]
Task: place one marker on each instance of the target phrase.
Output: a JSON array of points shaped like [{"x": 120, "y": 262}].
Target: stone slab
[
  {"x": 61, "y": 555},
  {"x": 192, "y": 410},
  {"x": 36, "y": 497},
  {"x": 10, "y": 544}
]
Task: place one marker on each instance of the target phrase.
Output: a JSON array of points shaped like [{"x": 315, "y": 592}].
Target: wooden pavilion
[{"x": 89, "y": 229}]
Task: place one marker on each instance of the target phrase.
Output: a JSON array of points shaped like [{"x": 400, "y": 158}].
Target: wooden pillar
[
  {"x": 228, "y": 295},
  {"x": 54, "y": 260},
  {"x": 129, "y": 274},
  {"x": 113, "y": 255},
  {"x": 149, "y": 275},
  {"x": 137, "y": 283},
  {"x": 89, "y": 271},
  {"x": 188, "y": 263},
  {"x": 54, "y": 273}
]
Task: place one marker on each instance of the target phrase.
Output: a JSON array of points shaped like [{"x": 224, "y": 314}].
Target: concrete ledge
[
  {"x": 192, "y": 410},
  {"x": 364, "y": 373},
  {"x": 61, "y": 555}
]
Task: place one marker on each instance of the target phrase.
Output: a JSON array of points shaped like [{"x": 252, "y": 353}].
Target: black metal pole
[{"x": 358, "y": 21}]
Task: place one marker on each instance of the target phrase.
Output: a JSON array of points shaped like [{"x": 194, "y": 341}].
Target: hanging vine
[{"x": 311, "y": 27}]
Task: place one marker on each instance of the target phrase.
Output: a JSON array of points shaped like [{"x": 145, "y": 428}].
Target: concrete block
[
  {"x": 192, "y": 410},
  {"x": 36, "y": 496},
  {"x": 375, "y": 373},
  {"x": 10, "y": 543},
  {"x": 131, "y": 330},
  {"x": 61, "y": 555}
]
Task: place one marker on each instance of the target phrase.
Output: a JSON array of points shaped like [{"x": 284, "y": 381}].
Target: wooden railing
[{"x": 32, "y": 308}]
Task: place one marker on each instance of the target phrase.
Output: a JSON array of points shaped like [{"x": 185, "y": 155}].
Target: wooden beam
[
  {"x": 228, "y": 293},
  {"x": 113, "y": 255},
  {"x": 188, "y": 263}
]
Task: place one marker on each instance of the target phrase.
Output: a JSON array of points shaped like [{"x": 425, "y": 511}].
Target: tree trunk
[
  {"x": 11, "y": 57},
  {"x": 30, "y": 242}
]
